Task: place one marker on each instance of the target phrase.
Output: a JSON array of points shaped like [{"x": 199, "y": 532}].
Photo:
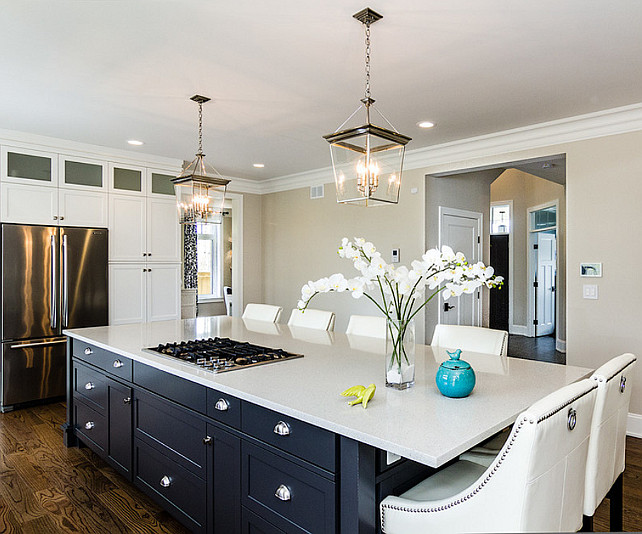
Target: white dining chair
[
  {"x": 472, "y": 338},
  {"x": 535, "y": 483},
  {"x": 310, "y": 318},
  {"x": 262, "y": 312},
  {"x": 367, "y": 325},
  {"x": 605, "y": 463}
]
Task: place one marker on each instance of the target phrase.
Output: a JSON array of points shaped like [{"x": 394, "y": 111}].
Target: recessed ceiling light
[
  {"x": 259, "y": 165},
  {"x": 135, "y": 142},
  {"x": 425, "y": 124}
]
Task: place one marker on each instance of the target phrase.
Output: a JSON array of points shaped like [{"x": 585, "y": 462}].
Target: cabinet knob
[
  {"x": 207, "y": 440},
  {"x": 149, "y": 270},
  {"x": 89, "y": 385},
  {"x": 88, "y": 351},
  {"x": 55, "y": 217},
  {"x": 222, "y": 405},
  {"x": 89, "y": 425},
  {"x": 62, "y": 217},
  {"x": 282, "y": 429},
  {"x": 144, "y": 253},
  {"x": 283, "y": 493},
  {"x": 127, "y": 400},
  {"x": 118, "y": 364},
  {"x": 149, "y": 253},
  {"x": 166, "y": 482}
]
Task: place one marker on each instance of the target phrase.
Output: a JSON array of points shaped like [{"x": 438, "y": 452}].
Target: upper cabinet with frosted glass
[
  {"x": 159, "y": 184},
  {"x": 82, "y": 173},
  {"x": 29, "y": 167},
  {"x": 127, "y": 179}
]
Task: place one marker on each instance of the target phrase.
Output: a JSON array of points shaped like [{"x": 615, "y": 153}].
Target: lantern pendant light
[
  {"x": 200, "y": 189},
  {"x": 367, "y": 160}
]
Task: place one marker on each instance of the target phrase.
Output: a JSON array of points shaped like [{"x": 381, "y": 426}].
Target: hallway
[{"x": 535, "y": 348}]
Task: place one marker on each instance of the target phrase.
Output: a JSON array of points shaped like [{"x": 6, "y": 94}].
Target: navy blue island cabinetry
[{"x": 220, "y": 464}]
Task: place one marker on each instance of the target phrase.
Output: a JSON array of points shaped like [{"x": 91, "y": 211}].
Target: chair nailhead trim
[
  {"x": 618, "y": 372},
  {"x": 498, "y": 463}
]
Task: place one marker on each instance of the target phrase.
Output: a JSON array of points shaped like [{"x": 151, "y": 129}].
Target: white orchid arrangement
[{"x": 401, "y": 288}]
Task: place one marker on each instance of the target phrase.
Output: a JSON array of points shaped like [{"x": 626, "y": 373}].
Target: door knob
[{"x": 448, "y": 306}]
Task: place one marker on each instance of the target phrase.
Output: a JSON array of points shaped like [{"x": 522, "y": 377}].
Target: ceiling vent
[{"x": 316, "y": 191}]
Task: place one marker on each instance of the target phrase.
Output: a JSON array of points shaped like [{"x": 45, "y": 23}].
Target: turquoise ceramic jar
[{"x": 455, "y": 378}]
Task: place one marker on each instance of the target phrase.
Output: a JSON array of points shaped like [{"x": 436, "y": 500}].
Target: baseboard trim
[
  {"x": 634, "y": 425},
  {"x": 518, "y": 329},
  {"x": 560, "y": 345}
]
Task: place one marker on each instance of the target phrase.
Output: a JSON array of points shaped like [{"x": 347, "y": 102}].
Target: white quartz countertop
[{"x": 418, "y": 423}]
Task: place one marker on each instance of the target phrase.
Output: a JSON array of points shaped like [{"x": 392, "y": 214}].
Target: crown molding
[
  {"x": 243, "y": 185},
  {"x": 579, "y": 128},
  {"x": 64, "y": 146}
]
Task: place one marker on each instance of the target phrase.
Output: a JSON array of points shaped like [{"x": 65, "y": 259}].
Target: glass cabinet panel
[
  {"x": 162, "y": 184},
  {"x": 88, "y": 174},
  {"x": 127, "y": 179},
  {"x": 28, "y": 167}
]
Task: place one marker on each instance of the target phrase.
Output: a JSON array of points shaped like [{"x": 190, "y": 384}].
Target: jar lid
[{"x": 454, "y": 362}]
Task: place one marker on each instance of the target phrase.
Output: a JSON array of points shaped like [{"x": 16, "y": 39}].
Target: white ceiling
[{"x": 282, "y": 74}]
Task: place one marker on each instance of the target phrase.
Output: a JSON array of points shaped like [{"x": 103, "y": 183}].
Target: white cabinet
[
  {"x": 143, "y": 292},
  {"x": 28, "y": 204},
  {"x": 143, "y": 229},
  {"x": 25, "y": 166},
  {"x": 163, "y": 230},
  {"x": 82, "y": 208}
]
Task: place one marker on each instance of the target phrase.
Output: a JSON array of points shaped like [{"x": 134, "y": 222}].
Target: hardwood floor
[
  {"x": 47, "y": 488},
  {"x": 535, "y": 348}
]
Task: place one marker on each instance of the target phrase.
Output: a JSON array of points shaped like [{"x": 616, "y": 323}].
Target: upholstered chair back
[
  {"x": 367, "y": 325},
  {"x": 262, "y": 312},
  {"x": 319, "y": 319},
  {"x": 471, "y": 338}
]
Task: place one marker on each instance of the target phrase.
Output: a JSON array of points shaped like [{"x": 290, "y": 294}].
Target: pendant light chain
[
  {"x": 367, "y": 96},
  {"x": 200, "y": 129}
]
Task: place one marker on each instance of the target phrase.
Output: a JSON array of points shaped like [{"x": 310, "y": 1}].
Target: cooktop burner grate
[{"x": 222, "y": 354}]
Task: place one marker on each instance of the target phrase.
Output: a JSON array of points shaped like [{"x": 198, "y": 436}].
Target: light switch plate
[
  {"x": 589, "y": 291},
  {"x": 395, "y": 255}
]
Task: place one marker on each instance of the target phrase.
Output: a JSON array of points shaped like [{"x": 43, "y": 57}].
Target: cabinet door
[
  {"x": 32, "y": 167},
  {"x": 127, "y": 293},
  {"x": 126, "y": 228},
  {"x": 81, "y": 173},
  {"x": 126, "y": 179},
  {"x": 82, "y": 208},
  {"x": 29, "y": 204},
  {"x": 119, "y": 446},
  {"x": 224, "y": 475},
  {"x": 163, "y": 230},
  {"x": 163, "y": 292}
]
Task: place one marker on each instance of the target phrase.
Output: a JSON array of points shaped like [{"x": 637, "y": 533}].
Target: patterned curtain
[{"x": 190, "y": 268}]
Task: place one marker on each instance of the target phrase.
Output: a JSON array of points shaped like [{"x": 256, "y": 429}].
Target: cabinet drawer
[
  {"x": 253, "y": 524},
  {"x": 307, "y": 500},
  {"x": 171, "y": 429},
  {"x": 224, "y": 408},
  {"x": 301, "y": 439},
  {"x": 90, "y": 386},
  {"x": 112, "y": 363},
  {"x": 91, "y": 427},
  {"x": 171, "y": 387},
  {"x": 180, "y": 492}
]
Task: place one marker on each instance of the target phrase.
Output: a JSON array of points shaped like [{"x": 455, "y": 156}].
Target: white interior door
[
  {"x": 546, "y": 271},
  {"x": 461, "y": 230}
]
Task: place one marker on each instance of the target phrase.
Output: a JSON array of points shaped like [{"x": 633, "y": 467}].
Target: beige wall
[
  {"x": 604, "y": 188},
  {"x": 527, "y": 191},
  {"x": 301, "y": 237}
]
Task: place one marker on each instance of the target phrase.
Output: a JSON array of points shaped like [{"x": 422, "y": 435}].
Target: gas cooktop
[{"x": 221, "y": 354}]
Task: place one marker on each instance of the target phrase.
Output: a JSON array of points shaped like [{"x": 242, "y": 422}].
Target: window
[
  {"x": 500, "y": 219},
  {"x": 209, "y": 256},
  {"x": 544, "y": 219}
]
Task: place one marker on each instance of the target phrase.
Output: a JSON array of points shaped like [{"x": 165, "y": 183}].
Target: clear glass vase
[{"x": 400, "y": 353}]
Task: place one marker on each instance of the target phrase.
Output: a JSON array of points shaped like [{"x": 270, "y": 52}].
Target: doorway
[{"x": 461, "y": 231}]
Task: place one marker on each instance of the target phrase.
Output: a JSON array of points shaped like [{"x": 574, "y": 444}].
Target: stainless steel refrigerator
[{"x": 52, "y": 278}]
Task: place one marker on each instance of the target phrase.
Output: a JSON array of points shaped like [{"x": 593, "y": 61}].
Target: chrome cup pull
[
  {"x": 89, "y": 425},
  {"x": 222, "y": 405},
  {"x": 88, "y": 351},
  {"x": 89, "y": 385},
  {"x": 127, "y": 400},
  {"x": 118, "y": 364},
  {"x": 166, "y": 482},
  {"x": 282, "y": 429},
  {"x": 283, "y": 493}
]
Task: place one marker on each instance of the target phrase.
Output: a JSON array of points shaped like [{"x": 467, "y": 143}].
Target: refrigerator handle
[
  {"x": 52, "y": 279},
  {"x": 65, "y": 285}
]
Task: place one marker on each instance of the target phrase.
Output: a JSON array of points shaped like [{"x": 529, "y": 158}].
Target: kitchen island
[{"x": 275, "y": 447}]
